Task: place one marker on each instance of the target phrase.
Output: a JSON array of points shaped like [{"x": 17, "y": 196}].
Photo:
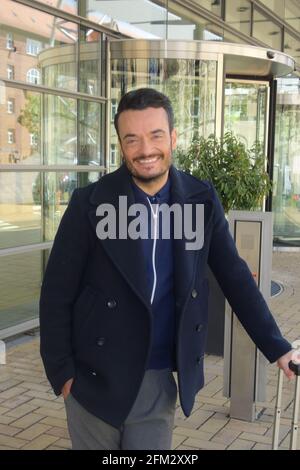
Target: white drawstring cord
[{"x": 154, "y": 248}]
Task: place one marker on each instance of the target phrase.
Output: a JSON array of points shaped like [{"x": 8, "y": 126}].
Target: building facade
[{"x": 59, "y": 91}]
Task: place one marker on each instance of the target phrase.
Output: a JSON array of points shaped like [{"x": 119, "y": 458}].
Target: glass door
[{"x": 246, "y": 111}]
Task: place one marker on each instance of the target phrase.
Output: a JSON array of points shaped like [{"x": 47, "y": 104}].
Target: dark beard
[{"x": 147, "y": 179}]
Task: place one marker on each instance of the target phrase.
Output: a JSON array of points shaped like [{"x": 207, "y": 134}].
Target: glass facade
[
  {"x": 53, "y": 106},
  {"x": 245, "y": 111},
  {"x": 238, "y": 15},
  {"x": 134, "y": 18},
  {"x": 52, "y": 138},
  {"x": 286, "y": 172},
  {"x": 266, "y": 30},
  {"x": 69, "y": 6}
]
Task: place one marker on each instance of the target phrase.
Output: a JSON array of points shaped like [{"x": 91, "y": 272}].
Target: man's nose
[{"x": 146, "y": 147}]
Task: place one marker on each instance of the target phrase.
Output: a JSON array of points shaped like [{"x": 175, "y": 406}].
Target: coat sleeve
[
  {"x": 60, "y": 285},
  {"x": 240, "y": 289}
]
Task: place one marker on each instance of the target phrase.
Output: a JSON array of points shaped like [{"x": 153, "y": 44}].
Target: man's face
[{"x": 146, "y": 142}]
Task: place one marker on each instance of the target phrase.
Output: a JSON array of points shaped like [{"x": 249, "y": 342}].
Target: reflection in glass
[
  {"x": 286, "y": 177},
  {"x": 215, "y": 6},
  {"x": 266, "y": 30},
  {"x": 36, "y": 41},
  {"x": 20, "y": 118},
  {"x": 90, "y": 61},
  {"x": 32, "y": 204},
  {"x": 291, "y": 46},
  {"x": 292, "y": 14},
  {"x": 60, "y": 142},
  {"x": 21, "y": 277},
  {"x": 276, "y": 6},
  {"x": 188, "y": 25},
  {"x": 70, "y": 6},
  {"x": 57, "y": 189},
  {"x": 190, "y": 85},
  {"x": 245, "y": 111},
  {"x": 91, "y": 128},
  {"x": 133, "y": 18},
  {"x": 238, "y": 15},
  {"x": 20, "y": 209}
]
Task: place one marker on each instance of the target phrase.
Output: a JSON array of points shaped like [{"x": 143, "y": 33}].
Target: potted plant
[
  {"x": 237, "y": 173},
  {"x": 241, "y": 181}
]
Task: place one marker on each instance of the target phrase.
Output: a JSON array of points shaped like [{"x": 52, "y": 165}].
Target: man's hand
[
  {"x": 67, "y": 388},
  {"x": 283, "y": 362}
]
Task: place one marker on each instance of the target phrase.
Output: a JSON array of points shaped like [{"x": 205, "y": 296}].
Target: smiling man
[
  {"x": 147, "y": 144},
  {"x": 119, "y": 316}
]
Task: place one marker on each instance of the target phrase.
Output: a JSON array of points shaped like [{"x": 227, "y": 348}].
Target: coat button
[
  {"x": 199, "y": 328},
  {"x": 112, "y": 304},
  {"x": 194, "y": 293},
  {"x": 94, "y": 373},
  {"x": 198, "y": 360},
  {"x": 100, "y": 341}
]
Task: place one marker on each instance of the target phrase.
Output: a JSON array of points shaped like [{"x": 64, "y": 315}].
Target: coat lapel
[
  {"x": 187, "y": 191},
  {"x": 126, "y": 254}
]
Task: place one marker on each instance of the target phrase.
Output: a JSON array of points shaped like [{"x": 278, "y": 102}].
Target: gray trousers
[{"x": 149, "y": 425}]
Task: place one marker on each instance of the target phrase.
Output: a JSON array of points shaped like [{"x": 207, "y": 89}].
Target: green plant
[{"x": 237, "y": 173}]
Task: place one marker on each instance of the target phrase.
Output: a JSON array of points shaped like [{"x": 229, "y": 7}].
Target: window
[
  {"x": 113, "y": 154},
  {"x": 238, "y": 15},
  {"x": 33, "y": 76},
  {"x": 33, "y": 140},
  {"x": 215, "y": 6},
  {"x": 292, "y": 15},
  {"x": 195, "y": 107},
  {"x": 10, "y": 41},
  {"x": 11, "y": 136},
  {"x": 114, "y": 108},
  {"x": 265, "y": 30},
  {"x": 291, "y": 46},
  {"x": 10, "y": 105},
  {"x": 33, "y": 47},
  {"x": 10, "y": 72}
]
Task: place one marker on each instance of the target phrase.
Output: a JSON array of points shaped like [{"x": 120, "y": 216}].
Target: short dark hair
[{"x": 145, "y": 98}]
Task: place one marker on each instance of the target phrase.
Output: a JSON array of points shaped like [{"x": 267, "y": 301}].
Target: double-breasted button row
[
  {"x": 111, "y": 303},
  {"x": 194, "y": 293},
  {"x": 100, "y": 341},
  {"x": 199, "y": 360},
  {"x": 199, "y": 327}
]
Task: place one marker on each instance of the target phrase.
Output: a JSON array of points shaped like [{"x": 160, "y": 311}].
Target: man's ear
[{"x": 173, "y": 139}]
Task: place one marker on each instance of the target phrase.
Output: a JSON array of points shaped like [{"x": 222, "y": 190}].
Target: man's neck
[{"x": 153, "y": 186}]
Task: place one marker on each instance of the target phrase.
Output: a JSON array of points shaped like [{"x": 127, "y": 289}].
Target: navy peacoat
[{"x": 95, "y": 314}]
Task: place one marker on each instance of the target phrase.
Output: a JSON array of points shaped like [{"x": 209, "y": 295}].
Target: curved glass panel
[
  {"x": 286, "y": 172},
  {"x": 190, "y": 85},
  {"x": 245, "y": 111}
]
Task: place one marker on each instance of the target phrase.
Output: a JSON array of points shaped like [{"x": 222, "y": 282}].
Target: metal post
[{"x": 244, "y": 365}]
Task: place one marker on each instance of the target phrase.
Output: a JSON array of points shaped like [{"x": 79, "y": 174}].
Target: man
[{"x": 119, "y": 314}]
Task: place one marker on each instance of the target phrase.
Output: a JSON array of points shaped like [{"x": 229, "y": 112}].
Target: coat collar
[
  {"x": 183, "y": 187},
  {"x": 127, "y": 254}
]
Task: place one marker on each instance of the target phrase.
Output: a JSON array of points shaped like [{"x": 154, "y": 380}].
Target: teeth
[{"x": 148, "y": 160}]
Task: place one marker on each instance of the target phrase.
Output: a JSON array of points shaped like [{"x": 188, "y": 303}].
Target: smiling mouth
[{"x": 149, "y": 160}]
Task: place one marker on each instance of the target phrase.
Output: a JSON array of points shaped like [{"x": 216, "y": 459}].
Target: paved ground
[{"x": 31, "y": 417}]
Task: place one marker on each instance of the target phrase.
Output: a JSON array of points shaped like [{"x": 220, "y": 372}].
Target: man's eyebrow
[
  {"x": 129, "y": 135},
  {"x": 156, "y": 131}
]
